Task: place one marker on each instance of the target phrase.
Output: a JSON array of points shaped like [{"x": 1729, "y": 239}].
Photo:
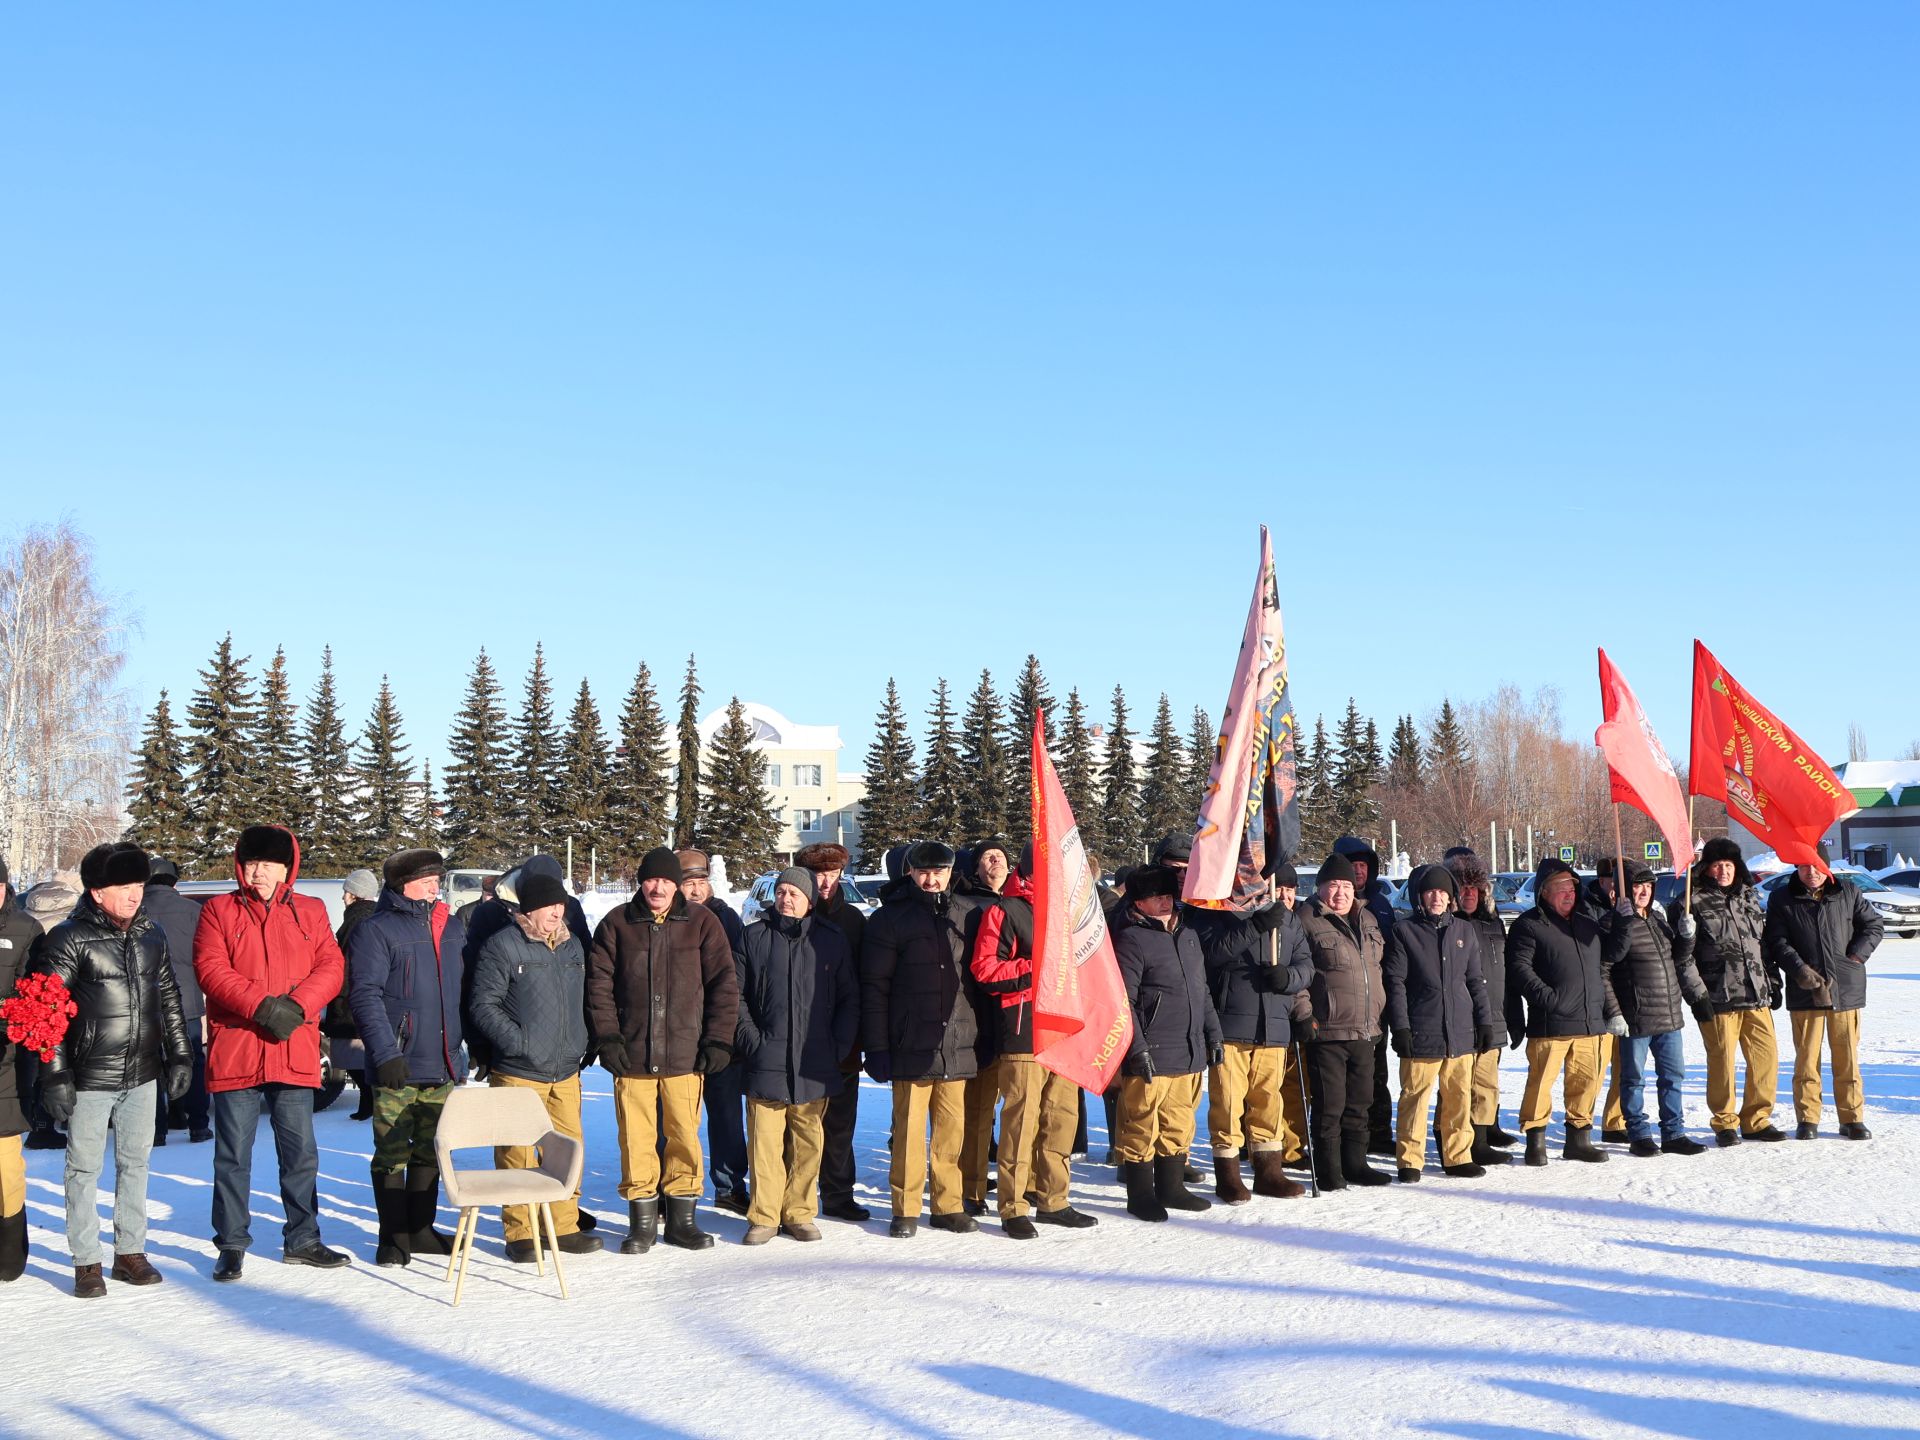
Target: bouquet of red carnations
[{"x": 37, "y": 1013}]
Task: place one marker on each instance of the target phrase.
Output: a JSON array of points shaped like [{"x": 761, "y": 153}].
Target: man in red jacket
[{"x": 268, "y": 962}]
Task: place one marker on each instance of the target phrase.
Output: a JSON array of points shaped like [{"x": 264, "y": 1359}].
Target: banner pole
[
  {"x": 1619, "y": 857},
  {"x": 1689, "y": 899}
]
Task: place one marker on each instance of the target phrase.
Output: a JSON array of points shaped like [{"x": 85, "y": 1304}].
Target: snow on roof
[
  {"x": 772, "y": 729},
  {"x": 1869, "y": 780}
]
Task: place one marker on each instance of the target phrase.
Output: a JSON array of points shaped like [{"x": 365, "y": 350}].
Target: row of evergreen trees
[{"x": 528, "y": 782}]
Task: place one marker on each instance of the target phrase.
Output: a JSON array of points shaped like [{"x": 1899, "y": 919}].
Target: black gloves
[
  {"x": 1305, "y": 1028},
  {"x": 713, "y": 1058},
  {"x": 179, "y": 1078},
  {"x": 391, "y": 1074},
  {"x": 1269, "y": 918},
  {"x": 880, "y": 1066},
  {"x": 613, "y": 1056},
  {"x": 1486, "y": 1037},
  {"x": 1146, "y": 1067},
  {"x": 1400, "y": 1040},
  {"x": 1703, "y": 1011},
  {"x": 1217, "y": 1055},
  {"x": 280, "y": 1016},
  {"x": 1519, "y": 1039},
  {"x": 1776, "y": 993},
  {"x": 58, "y": 1096}
]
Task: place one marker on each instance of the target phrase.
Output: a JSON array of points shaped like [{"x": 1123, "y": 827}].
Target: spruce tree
[
  {"x": 1448, "y": 751},
  {"x": 1201, "y": 739},
  {"x": 1072, "y": 750},
  {"x": 388, "y": 806},
  {"x": 160, "y": 821},
  {"x": 536, "y": 760},
  {"x": 639, "y": 790},
  {"x": 329, "y": 845},
  {"x": 1163, "y": 784},
  {"x": 426, "y": 816},
  {"x": 891, "y": 812},
  {"x": 220, "y": 790},
  {"x": 940, "y": 776},
  {"x": 983, "y": 766},
  {"x": 738, "y": 817},
  {"x": 686, "y": 785},
  {"x": 275, "y": 753},
  {"x": 1319, "y": 825},
  {"x": 1029, "y": 698},
  {"x": 580, "y": 810},
  {"x": 477, "y": 824},
  {"x": 1406, "y": 766},
  {"x": 1352, "y": 776},
  {"x": 1120, "y": 797},
  {"x": 1371, "y": 755}
]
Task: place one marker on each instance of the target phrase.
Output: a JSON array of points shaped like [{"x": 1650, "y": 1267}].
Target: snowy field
[{"x": 1763, "y": 1291}]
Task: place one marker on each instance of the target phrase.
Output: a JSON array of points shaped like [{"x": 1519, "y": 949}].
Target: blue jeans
[
  {"x": 727, "y": 1129},
  {"x": 131, "y": 1115},
  {"x": 1670, "y": 1067},
  {"x": 236, "y": 1118}
]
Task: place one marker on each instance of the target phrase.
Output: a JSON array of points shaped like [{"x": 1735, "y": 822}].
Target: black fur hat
[
  {"x": 403, "y": 867},
  {"x": 119, "y": 862},
  {"x": 264, "y": 842},
  {"x": 1147, "y": 881}
]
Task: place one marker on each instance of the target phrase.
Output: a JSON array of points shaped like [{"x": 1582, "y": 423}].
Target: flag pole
[
  {"x": 1620, "y": 891},
  {"x": 1689, "y": 900}
]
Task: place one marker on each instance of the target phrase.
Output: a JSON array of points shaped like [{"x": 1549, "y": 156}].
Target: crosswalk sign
[
  {"x": 1566, "y": 854},
  {"x": 1653, "y": 851}
]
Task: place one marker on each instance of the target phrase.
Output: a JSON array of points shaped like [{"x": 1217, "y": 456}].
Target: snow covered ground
[{"x": 1767, "y": 1290}]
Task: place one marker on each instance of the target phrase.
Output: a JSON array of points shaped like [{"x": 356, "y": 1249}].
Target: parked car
[
  {"x": 1899, "y": 911},
  {"x": 1900, "y": 877},
  {"x": 1523, "y": 897}
]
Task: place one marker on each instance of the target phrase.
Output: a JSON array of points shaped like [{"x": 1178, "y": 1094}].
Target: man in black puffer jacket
[
  {"x": 18, "y": 932},
  {"x": 125, "y": 1048},
  {"x": 1655, "y": 983},
  {"x": 1256, "y": 963},
  {"x": 1176, "y": 1035},
  {"x": 920, "y": 1026},
  {"x": 1438, "y": 1019},
  {"x": 1478, "y": 908},
  {"x": 1727, "y": 923},
  {"x": 1560, "y": 961},
  {"x": 1820, "y": 933},
  {"x": 527, "y": 996}
]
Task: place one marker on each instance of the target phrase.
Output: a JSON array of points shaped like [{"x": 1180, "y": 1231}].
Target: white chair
[{"x": 491, "y": 1116}]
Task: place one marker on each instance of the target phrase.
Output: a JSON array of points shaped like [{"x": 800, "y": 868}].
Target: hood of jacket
[
  {"x": 286, "y": 886},
  {"x": 1354, "y": 848},
  {"x": 1468, "y": 870}
]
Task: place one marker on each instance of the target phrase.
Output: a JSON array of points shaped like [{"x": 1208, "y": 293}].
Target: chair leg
[
  {"x": 459, "y": 1231},
  {"x": 472, "y": 1219},
  {"x": 553, "y": 1235},
  {"x": 539, "y": 1245}
]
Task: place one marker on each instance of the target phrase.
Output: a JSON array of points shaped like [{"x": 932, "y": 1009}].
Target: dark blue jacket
[
  {"x": 1253, "y": 999},
  {"x": 799, "y": 1008},
  {"x": 1174, "y": 1026},
  {"x": 1435, "y": 990},
  {"x": 178, "y": 917},
  {"x": 403, "y": 983},
  {"x": 530, "y": 1003}
]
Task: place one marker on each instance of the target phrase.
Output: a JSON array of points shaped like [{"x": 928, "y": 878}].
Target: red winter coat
[{"x": 244, "y": 951}]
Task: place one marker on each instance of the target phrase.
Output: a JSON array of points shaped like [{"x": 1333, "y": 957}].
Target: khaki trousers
[
  {"x": 1486, "y": 1087},
  {"x": 637, "y": 1100},
  {"x": 1039, "y": 1112},
  {"x": 562, "y": 1099},
  {"x": 1156, "y": 1116},
  {"x": 976, "y": 1145},
  {"x": 1842, "y": 1031},
  {"x": 916, "y": 1103},
  {"x": 1296, "y": 1088},
  {"x": 1579, "y": 1057},
  {"x": 1615, "y": 1117},
  {"x": 1750, "y": 1033},
  {"x": 13, "y": 1176},
  {"x": 1454, "y": 1076},
  {"x": 784, "y": 1145}
]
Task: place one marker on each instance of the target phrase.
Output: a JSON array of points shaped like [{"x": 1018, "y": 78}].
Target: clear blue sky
[{"x": 833, "y": 342}]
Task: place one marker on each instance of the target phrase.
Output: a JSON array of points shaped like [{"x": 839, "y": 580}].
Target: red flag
[
  {"x": 1637, "y": 764},
  {"x": 1082, "y": 1024},
  {"x": 1769, "y": 777},
  {"x": 1250, "y": 810}
]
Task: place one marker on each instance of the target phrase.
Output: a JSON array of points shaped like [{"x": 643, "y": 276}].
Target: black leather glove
[
  {"x": 1146, "y": 1066},
  {"x": 58, "y": 1096},
  {"x": 1305, "y": 1028},
  {"x": 179, "y": 1078},
  {"x": 613, "y": 1056},
  {"x": 1401, "y": 1040},
  {"x": 880, "y": 1066},
  {"x": 1217, "y": 1055},
  {"x": 1486, "y": 1037},
  {"x": 1519, "y": 1038},
  {"x": 713, "y": 1058},
  {"x": 1703, "y": 1011},
  {"x": 1776, "y": 993},
  {"x": 1269, "y": 918},
  {"x": 279, "y": 1016},
  {"x": 391, "y": 1074}
]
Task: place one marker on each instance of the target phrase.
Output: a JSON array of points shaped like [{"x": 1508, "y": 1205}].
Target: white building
[
  {"x": 813, "y": 799},
  {"x": 1888, "y": 820}
]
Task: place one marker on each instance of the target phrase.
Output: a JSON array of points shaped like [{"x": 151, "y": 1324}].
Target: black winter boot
[
  {"x": 1537, "y": 1145},
  {"x": 643, "y": 1217},
  {"x": 1499, "y": 1137},
  {"x": 1190, "y": 1172},
  {"x": 13, "y": 1245},
  {"x": 395, "y": 1245},
  {"x": 1327, "y": 1174},
  {"x": 681, "y": 1229},
  {"x": 1681, "y": 1145},
  {"x": 1170, "y": 1187},
  {"x": 1270, "y": 1177},
  {"x": 1142, "y": 1203},
  {"x": 1483, "y": 1151},
  {"x": 423, "y": 1202},
  {"x": 1580, "y": 1146},
  {"x": 1227, "y": 1183},
  {"x": 1353, "y": 1162},
  {"x": 1468, "y": 1171}
]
